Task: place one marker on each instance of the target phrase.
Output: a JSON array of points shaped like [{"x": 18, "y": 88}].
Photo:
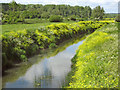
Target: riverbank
[
  {"x": 18, "y": 46},
  {"x": 95, "y": 64}
]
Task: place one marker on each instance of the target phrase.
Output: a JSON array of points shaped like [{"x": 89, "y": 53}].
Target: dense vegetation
[
  {"x": 110, "y": 15},
  {"x": 17, "y": 46},
  {"x": 117, "y": 18},
  {"x": 56, "y": 18},
  {"x": 95, "y": 64},
  {"x": 17, "y": 13}
]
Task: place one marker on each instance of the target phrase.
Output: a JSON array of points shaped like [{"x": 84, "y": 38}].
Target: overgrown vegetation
[
  {"x": 17, "y": 46},
  {"x": 95, "y": 64}
]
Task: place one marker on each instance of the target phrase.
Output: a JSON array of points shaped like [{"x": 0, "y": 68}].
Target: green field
[
  {"x": 17, "y": 27},
  {"x": 95, "y": 64}
]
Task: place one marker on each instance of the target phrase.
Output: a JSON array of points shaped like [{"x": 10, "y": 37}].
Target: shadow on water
[{"x": 45, "y": 70}]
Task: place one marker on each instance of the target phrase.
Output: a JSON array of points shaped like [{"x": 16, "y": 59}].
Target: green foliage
[
  {"x": 23, "y": 57},
  {"x": 45, "y": 15},
  {"x": 13, "y": 5},
  {"x": 55, "y": 18},
  {"x": 12, "y": 18},
  {"x": 117, "y": 19},
  {"x": 110, "y": 15},
  {"x": 98, "y": 13},
  {"x": 33, "y": 48},
  {"x": 73, "y": 17},
  {"x": 17, "y": 13},
  {"x": 52, "y": 45}
]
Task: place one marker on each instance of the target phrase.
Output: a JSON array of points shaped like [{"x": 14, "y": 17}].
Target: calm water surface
[{"x": 44, "y": 71}]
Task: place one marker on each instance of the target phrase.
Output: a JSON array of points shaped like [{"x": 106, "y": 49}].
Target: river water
[{"x": 45, "y": 70}]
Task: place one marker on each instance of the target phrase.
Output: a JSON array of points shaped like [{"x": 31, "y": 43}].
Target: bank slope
[{"x": 95, "y": 64}]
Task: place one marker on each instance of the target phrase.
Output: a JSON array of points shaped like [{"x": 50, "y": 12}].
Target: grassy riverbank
[{"x": 95, "y": 64}]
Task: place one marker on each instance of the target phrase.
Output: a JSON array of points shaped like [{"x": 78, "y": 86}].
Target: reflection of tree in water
[
  {"x": 45, "y": 79},
  {"x": 66, "y": 44}
]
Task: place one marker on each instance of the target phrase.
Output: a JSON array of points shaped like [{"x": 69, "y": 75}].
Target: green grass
[
  {"x": 36, "y": 20},
  {"x": 17, "y": 27},
  {"x": 95, "y": 64}
]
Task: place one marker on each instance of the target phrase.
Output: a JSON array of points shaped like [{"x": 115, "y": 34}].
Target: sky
[{"x": 110, "y": 6}]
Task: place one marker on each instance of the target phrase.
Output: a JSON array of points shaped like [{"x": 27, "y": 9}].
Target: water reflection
[{"x": 48, "y": 72}]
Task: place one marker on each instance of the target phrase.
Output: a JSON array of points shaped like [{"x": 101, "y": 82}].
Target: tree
[
  {"x": 13, "y": 6},
  {"x": 45, "y": 15},
  {"x": 98, "y": 12},
  {"x": 88, "y": 12},
  {"x": 45, "y": 11},
  {"x": 73, "y": 18},
  {"x": 81, "y": 12}
]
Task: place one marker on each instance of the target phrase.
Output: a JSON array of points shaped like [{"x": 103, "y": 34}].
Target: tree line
[{"x": 13, "y": 12}]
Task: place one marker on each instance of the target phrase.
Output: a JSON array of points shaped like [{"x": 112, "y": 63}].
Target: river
[{"x": 45, "y": 70}]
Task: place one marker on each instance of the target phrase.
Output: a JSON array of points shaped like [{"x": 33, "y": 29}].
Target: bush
[
  {"x": 55, "y": 18},
  {"x": 12, "y": 18},
  {"x": 73, "y": 18},
  {"x": 117, "y": 19}
]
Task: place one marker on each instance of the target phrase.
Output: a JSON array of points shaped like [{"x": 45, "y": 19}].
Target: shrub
[
  {"x": 52, "y": 45},
  {"x": 117, "y": 19},
  {"x": 45, "y": 15},
  {"x": 23, "y": 57},
  {"x": 73, "y": 18},
  {"x": 55, "y": 18},
  {"x": 12, "y": 18}
]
